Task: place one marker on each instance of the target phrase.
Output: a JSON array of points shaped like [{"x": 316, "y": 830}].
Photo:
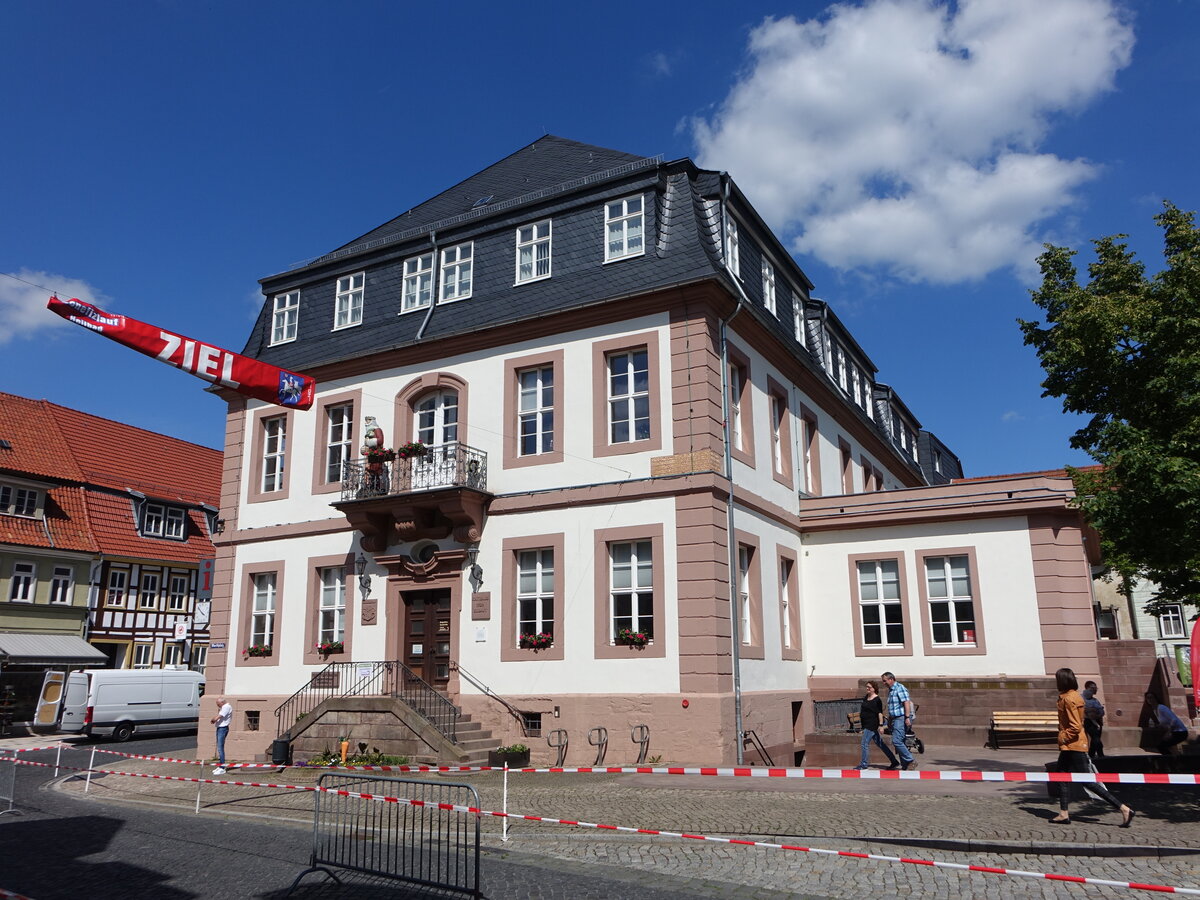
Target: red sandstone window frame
[
  {"x": 550, "y": 359},
  {"x": 601, "y": 350},
  {"x": 932, "y": 649},
  {"x": 739, "y": 376},
  {"x": 860, "y": 647},
  {"x": 246, "y": 613},
  {"x": 605, "y": 648},
  {"x": 789, "y": 615},
  {"x": 258, "y": 428},
  {"x": 510, "y": 649},
  {"x": 353, "y": 399},
  {"x": 752, "y": 644},
  {"x": 810, "y": 451},
  {"x": 312, "y": 606},
  {"x": 782, "y": 468}
]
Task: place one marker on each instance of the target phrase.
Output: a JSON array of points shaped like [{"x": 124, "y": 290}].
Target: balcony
[{"x": 429, "y": 497}]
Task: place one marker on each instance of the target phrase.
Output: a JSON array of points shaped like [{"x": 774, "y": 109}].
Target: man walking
[
  {"x": 222, "y": 719},
  {"x": 900, "y": 711}
]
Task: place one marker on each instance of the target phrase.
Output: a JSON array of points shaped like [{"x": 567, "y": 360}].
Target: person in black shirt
[{"x": 869, "y": 714}]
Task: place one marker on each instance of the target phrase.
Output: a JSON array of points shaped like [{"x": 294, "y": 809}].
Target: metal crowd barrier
[
  {"x": 8, "y": 780},
  {"x": 420, "y": 845}
]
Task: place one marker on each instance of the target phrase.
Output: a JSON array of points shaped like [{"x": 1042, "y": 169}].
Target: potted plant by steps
[{"x": 516, "y": 756}]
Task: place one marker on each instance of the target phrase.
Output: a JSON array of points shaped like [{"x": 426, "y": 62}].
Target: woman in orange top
[{"x": 1073, "y": 747}]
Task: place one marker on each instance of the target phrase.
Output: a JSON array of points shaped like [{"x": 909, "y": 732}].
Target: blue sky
[{"x": 158, "y": 158}]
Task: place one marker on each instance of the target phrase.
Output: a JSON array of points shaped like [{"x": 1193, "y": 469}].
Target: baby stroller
[{"x": 911, "y": 741}]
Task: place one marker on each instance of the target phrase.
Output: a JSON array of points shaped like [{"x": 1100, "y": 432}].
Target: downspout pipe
[
  {"x": 735, "y": 621},
  {"x": 433, "y": 285}
]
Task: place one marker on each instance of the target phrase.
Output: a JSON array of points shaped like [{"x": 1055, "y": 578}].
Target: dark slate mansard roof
[{"x": 555, "y": 178}]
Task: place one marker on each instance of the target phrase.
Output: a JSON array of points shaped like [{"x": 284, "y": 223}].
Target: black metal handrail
[
  {"x": 516, "y": 713},
  {"x": 388, "y": 678},
  {"x": 444, "y": 466}
]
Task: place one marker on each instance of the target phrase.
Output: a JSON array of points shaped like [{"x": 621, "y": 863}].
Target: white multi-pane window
[
  {"x": 798, "y": 320},
  {"x": 175, "y": 523},
  {"x": 262, "y": 616},
  {"x": 457, "y": 267},
  {"x": 951, "y": 607},
  {"x": 785, "y": 601},
  {"x": 624, "y": 228},
  {"x": 285, "y": 318},
  {"x": 152, "y": 519},
  {"x": 535, "y": 591},
  {"x": 737, "y": 384},
  {"x": 24, "y": 577},
  {"x": 533, "y": 251},
  {"x": 881, "y": 615},
  {"x": 856, "y": 385},
  {"x": 143, "y": 656},
  {"x": 148, "y": 591},
  {"x": 808, "y": 442},
  {"x": 18, "y": 501},
  {"x": 199, "y": 657},
  {"x": 778, "y": 412},
  {"x": 348, "y": 304},
  {"x": 436, "y": 419},
  {"x": 632, "y": 581},
  {"x": 732, "y": 256},
  {"x": 768, "y": 286},
  {"x": 333, "y": 604},
  {"x": 535, "y": 425},
  {"x": 177, "y": 595},
  {"x": 274, "y": 453},
  {"x": 629, "y": 396},
  {"x": 1171, "y": 623},
  {"x": 118, "y": 584},
  {"x": 172, "y": 654},
  {"x": 745, "y": 555},
  {"x": 339, "y": 440},
  {"x": 61, "y": 584},
  {"x": 417, "y": 292}
]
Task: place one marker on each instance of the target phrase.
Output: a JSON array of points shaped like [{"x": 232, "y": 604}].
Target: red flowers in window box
[
  {"x": 379, "y": 455},
  {"x": 258, "y": 650},
  {"x": 410, "y": 449},
  {"x": 327, "y": 647},
  {"x": 540, "y": 641},
  {"x": 631, "y": 638}
]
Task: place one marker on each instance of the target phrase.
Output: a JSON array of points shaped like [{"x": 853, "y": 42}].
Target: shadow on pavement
[{"x": 42, "y": 859}]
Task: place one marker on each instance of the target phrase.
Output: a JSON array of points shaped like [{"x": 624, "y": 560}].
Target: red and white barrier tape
[
  {"x": 450, "y": 807},
  {"x": 735, "y": 771}
]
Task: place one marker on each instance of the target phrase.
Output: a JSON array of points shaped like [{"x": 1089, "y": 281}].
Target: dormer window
[
  {"x": 160, "y": 520},
  {"x": 285, "y": 317},
  {"x": 18, "y": 501}
]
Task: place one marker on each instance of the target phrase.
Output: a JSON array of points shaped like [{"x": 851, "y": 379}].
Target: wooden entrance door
[{"x": 427, "y": 635}]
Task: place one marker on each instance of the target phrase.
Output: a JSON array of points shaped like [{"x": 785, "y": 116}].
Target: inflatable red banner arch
[{"x": 224, "y": 367}]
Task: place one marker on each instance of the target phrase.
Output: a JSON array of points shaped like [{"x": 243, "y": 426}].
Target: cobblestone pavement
[{"x": 997, "y": 824}]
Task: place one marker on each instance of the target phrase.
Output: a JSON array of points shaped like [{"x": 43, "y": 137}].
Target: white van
[{"x": 116, "y": 703}]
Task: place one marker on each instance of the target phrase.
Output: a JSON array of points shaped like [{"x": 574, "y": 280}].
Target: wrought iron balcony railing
[{"x": 444, "y": 466}]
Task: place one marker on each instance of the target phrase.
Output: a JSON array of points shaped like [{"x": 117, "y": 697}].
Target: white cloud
[
  {"x": 23, "y": 312},
  {"x": 1011, "y": 416},
  {"x": 906, "y": 134}
]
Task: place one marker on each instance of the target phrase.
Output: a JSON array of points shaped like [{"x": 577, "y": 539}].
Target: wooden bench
[{"x": 1022, "y": 726}]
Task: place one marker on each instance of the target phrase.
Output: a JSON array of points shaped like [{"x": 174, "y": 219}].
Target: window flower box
[
  {"x": 327, "y": 647},
  {"x": 629, "y": 638},
  {"x": 258, "y": 650},
  {"x": 543, "y": 640},
  {"x": 410, "y": 450}
]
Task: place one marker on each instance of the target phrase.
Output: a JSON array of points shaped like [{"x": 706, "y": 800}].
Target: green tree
[{"x": 1124, "y": 350}]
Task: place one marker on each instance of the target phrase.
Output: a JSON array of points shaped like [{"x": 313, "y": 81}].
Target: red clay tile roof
[
  {"x": 36, "y": 445},
  {"x": 1052, "y": 473},
  {"x": 115, "y": 530},
  {"x": 45, "y": 444}
]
